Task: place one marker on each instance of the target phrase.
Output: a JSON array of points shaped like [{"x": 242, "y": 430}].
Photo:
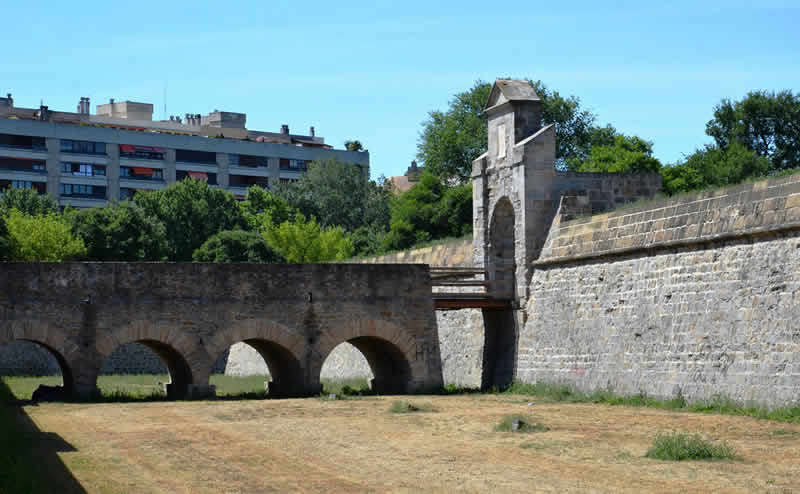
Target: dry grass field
[{"x": 358, "y": 445}]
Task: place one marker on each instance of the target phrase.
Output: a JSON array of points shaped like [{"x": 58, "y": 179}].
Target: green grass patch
[
  {"x": 358, "y": 386},
  {"x": 408, "y": 407},
  {"x": 718, "y": 404},
  {"x": 679, "y": 447},
  {"x": 520, "y": 423}
]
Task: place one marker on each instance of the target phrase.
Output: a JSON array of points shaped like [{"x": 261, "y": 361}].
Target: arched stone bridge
[{"x": 189, "y": 314}]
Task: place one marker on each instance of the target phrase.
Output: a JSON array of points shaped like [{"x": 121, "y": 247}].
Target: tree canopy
[
  {"x": 338, "y": 194},
  {"x": 27, "y": 201},
  {"x": 120, "y": 232},
  {"x": 45, "y": 237},
  {"x": 304, "y": 240},
  {"x": 765, "y": 122},
  {"x": 622, "y": 154},
  {"x": 191, "y": 212},
  {"x": 236, "y": 246}
]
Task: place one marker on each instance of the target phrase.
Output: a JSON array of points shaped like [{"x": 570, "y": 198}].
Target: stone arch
[
  {"x": 502, "y": 247},
  {"x": 184, "y": 356},
  {"x": 389, "y": 350},
  {"x": 280, "y": 348},
  {"x": 66, "y": 352}
]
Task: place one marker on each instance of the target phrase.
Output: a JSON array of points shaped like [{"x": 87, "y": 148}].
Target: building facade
[{"x": 86, "y": 160}]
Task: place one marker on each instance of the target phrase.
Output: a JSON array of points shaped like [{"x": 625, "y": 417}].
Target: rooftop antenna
[{"x": 164, "y": 117}]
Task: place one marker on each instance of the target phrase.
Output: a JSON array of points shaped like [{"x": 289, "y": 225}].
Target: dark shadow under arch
[
  {"x": 180, "y": 373},
  {"x": 285, "y": 371},
  {"x": 390, "y": 367},
  {"x": 68, "y": 381}
]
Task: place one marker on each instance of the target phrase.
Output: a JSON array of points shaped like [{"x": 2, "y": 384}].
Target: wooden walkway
[{"x": 472, "y": 288}]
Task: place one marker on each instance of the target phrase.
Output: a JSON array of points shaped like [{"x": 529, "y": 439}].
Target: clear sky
[{"x": 371, "y": 70}]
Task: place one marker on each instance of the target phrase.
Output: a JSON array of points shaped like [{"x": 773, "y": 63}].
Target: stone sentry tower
[
  {"x": 513, "y": 185},
  {"x": 517, "y": 192}
]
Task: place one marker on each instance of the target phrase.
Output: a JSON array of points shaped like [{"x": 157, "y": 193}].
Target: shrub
[{"x": 678, "y": 447}]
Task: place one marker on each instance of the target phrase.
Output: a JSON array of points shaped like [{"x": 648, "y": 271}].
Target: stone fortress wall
[{"x": 695, "y": 296}]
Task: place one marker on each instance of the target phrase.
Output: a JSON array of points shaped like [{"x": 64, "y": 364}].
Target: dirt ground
[{"x": 313, "y": 445}]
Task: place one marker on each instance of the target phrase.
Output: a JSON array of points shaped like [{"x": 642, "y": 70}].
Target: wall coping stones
[{"x": 753, "y": 209}]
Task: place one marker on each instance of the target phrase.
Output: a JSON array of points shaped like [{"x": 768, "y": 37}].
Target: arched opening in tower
[{"x": 502, "y": 261}]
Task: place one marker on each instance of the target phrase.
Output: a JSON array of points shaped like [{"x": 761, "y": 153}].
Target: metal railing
[{"x": 471, "y": 282}]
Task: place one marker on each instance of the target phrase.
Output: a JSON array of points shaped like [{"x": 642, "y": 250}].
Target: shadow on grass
[{"x": 29, "y": 461}]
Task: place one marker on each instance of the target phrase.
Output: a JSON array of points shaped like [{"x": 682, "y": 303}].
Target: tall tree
[
  {"x": 622, "y": 154},
  {"x": 120, "y": 232},
  {"x": 42, "y": 238},
  {"x": 766, "y": 122},
  {"x": 236, "y": 246},
  {"x": 338, "y": 194},
  {"x": 353, "y": 146},
  {"x": 191, "y": 212},
  {"x": 450, "y": 140},
  {"x": 27, "y": 201},
  {"x": 304, "y": 241},
  {"x": 712, "y": 166},
  {"x": 430, "y": 210}
]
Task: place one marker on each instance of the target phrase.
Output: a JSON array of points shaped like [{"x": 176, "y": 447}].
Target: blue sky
[{"x": 372, "y": 70}]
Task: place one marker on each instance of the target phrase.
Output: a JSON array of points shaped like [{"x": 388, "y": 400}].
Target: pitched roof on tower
[{"x": 505, "y": 90}]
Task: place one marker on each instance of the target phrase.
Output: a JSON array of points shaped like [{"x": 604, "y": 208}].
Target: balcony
[{"x": 141, "y": 173}]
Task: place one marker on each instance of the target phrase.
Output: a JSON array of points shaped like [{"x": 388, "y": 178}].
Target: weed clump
[
  {"x": 520, "y": 423},
  {"x": 679, "y": 447}
]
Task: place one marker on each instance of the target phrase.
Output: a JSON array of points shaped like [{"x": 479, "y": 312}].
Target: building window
[
  {"x": 83, "y": 169},
  {"x": 82, "y": 190},
  {"x": 82, "y": 147},
  {"x": 22, "y": 142},
  {"x": 248, "y": 181},
  {"x": 141, "y": 173},
  {"x": 21, "y": 184},
  {"x": 188, "y": 156},
  {"x": 248, "y": 160},
  {"x": 211, "y": 178},
  {"x": 285, "y": 163},
  {"x": 142, "y": 152},
  {"x": 22, "y": 165},
  {"x": 288, "y": 180}
]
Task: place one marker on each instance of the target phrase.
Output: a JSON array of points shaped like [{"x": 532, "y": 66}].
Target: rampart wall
[{"x": 695, "y": 296}]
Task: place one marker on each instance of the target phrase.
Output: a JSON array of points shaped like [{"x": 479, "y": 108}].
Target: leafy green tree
[
  {"x": 120, "y": 232},
  {"x": 766, "y": 122},
  {"x": 191, "y": 212},
  {"x": 624, "y": 154},
  {"x": 305, "y": 241},
  {"x": 338, "y": 194},
  {"x": 41, "y": 238},
  {"x": 353, "y": 146},
  {"x": 27, "y": 201},
  {"x": 262, "y": 206},
  {"x": 714, "y": 167},
  {"x": 430, "y": 210},
  {"x": 574, "y": 126},
  {"x": 236, "y": 246},
  {"x": 450, "y": 140}
]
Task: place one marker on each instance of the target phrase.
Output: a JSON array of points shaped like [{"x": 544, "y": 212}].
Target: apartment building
[{"x": 86, "y": 160}]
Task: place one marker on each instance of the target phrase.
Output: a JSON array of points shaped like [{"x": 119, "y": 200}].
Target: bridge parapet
[{"x": 294, "y": 315}]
